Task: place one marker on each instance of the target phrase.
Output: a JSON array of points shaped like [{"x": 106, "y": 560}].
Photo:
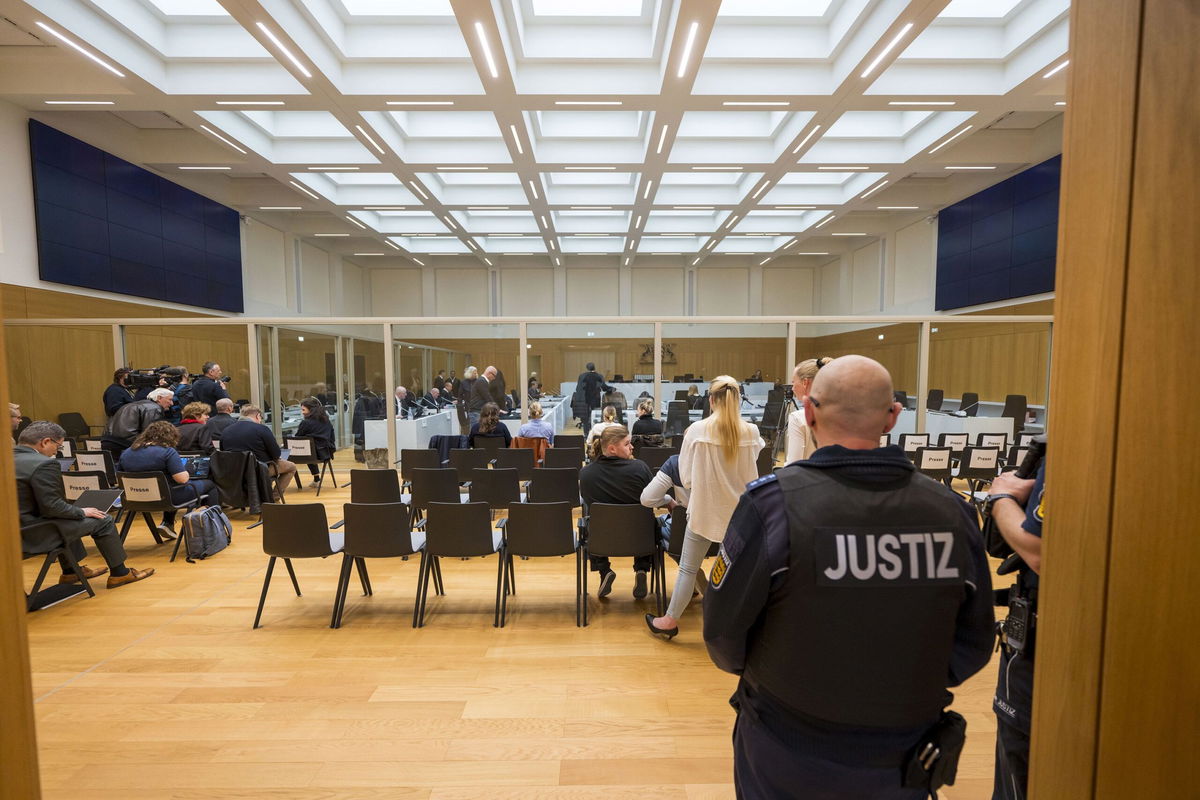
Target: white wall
[
  {"x": 395, "y": 292},
  {"x": 593, "y": 292},
  {"x": 787, "y": 290},
  {"x": 865, "y": 279},
  {"x": 722, "y": 291},
  {"x": 527, "y": 292},
  {"x": 657, "y": 292},
  {"x": 354, "y": 291},
  {"x": 462, "y": 292}
]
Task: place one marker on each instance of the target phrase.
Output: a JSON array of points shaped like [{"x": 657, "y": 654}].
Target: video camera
[
  {"x": 154, "y": 376},
  {"x": 993, "y": 541}
]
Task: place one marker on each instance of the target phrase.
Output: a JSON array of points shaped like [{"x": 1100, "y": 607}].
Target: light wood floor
[{"x": 160, "y": 690}]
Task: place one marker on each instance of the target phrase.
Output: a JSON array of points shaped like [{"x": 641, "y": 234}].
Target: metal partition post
[
  {"x": 339, "y": 384},
  {"x": 350, "y": 400},
  {"x": 118, "y": 337},
  {"x": 922, "y": 373},
  {"x": 790, "y": 362},
  {"x": 523, "y": 360},
  {"x": 254, "y": 350},
  {"x": 276, "y": 388},
  {"x": 658, "y": 367},
  {"x": 389, "y": 377},
  {"x": 1046, "y": 402}
]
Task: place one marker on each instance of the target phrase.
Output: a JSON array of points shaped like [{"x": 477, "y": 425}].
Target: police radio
[{"x": 993, "y": 541}]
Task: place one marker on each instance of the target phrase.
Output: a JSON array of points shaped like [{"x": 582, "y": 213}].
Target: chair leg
[
  {"x": 287, "y": 562},
  {"x": 512, "y": 578},
  {"x": 178, "y": 541},
  {"x": 126, "y": 526},
  {"x": 501, "y": 583},
  {"x": 420, "y": 585},
  {"x": 153, "y": 528},
  {"x": 661, "y": 567},
  {"x": 363, "y": 577},
  {"x": 432, "y": 562},
  {"x": 578, "y": 587},
  {"x": 332, "y": 477},
  {"x": 266, "y": 583},
  {"x": 583, "y": 571},
  {"x": 438, "y": 586},
  {"x": 75, "y": 567},
  {"x": 339, "y": 595},
  {"x": 37, "y": 584}
]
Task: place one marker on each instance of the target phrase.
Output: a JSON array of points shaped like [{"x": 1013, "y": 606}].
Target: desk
[
  {"x": 411, "y": 434},
  {"x": 555, "y": 410},
  {"x": 748, "y": 414},
  {"x": 938, "y": 423},
  {"x": 755, "y": 392}
]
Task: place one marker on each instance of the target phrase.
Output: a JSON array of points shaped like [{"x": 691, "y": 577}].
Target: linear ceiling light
[
  {"x": 825, "y": 221},
  {"x": 794, "y": 208},
  {"x": 275, "y": 39},
  {"x": 418, "y": 190},
  {"x": 369, "y": 254},
  {"x": 662, "y": 138},
  {"x": 693, "y": 208},
  {"x": 545, "y": 224},
  {"x": 810, "y": 254},
  {"x": 249, "y": 102},
  {"x": 305, "y": 189},
  {"x": 279, "y": 208},
  {"x": 81, "y": 49},
  {"x": 392, "y": 245},
  {"x": 533, "y": 188},
  {"x": 80, "y": 103},
  {"x": 333, "y": 169},
  {"x": 588, "y": 102},
  {"x": 687, "y": 49},
  {"x": 517, "y": 139},
  {"x": 897, "y": 208},
  {"x": 589, "y": 169},
  {"x": 921, "y": 102},
  {"x": 367, "y": 136},
  {"x": 638, "y": 223},
  {"x": 765, "y": 260},
  {"x": 1057, "y": 69},
  {"x": 487, "y": 49},
  {"x": 718, "y": 169},
  {"x": 460, "y": 169},
  {"x": 841, "y": 169},
  {"x": 356, "y": 222},
  {"x": 1060, "y": 103},
  {"x": 385, "y": 208},
  {"x": 873, "y": 190},
  {"x": 590, "y": 208},
  {"x": 487, "y": 208},
  {"x": 420, "y": 102},
  {"x": 890, "y": 46},
  {"x": 804, "y": 141},
  {"x": 330, "y": 235},
  {"x": 969, "y": 167},
  {"x": 760, "y": 190},
  {"x": 201, "y": 168},
  {"x": 649, "y": 186},
  {"x": 951, "y": 139},
  {"x": 418, "y": 261},
  {"x": 627, "y": 260},
  {"x": 756, "y": 103},
  {"x": 488, "y": 261}
]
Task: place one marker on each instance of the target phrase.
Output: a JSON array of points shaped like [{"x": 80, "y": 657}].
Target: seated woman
[
  {"x": 194, "y": 434},
  {"x": 489, "y": 426},
  {"x": 537, "y": 427},
  {"x": 317, "y": 425},
  {"x": 694, "y": 398},
  {"x": 646, "y": 423},
  {"x": 154, "y": 451},
  {"x": 608, "y": 417}
]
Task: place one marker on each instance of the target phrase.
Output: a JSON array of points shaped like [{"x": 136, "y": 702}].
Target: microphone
[{"x": 962, "y": 412}]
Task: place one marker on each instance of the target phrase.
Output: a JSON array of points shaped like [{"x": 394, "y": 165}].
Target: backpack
[{"x": 206, "y": 531}]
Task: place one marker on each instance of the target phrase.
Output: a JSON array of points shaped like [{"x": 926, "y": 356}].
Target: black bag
[
  {"x": 206, "y": 531},
  {"x": 933, "y": 763}
]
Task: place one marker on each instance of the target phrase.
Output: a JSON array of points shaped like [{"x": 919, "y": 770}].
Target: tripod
[{"x": 780, "y": 419}]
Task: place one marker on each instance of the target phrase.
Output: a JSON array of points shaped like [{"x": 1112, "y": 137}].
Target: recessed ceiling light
[
  {"x": 849, "y": 234},
  {"x": 420, "y": 102},
  {"x": 279, "y": 208},
  {"x": 693, "y": 208},
  {"x": 969, "y": 167},
  {"x": 333, "y": 169},
  {"x": 589, "y": 169},
  {"x": 687, "y": 49},
  {"x": 880, "y": 337},
  {"x": 369, "y": 254},
  {"x": 249, "y": 102},
  {"x": 719, "y": 169},
  {"x": 385, "y": 208},
  {"x": 897, "y": 208},
  {"x": 951, "y": 139},
  {"x": 356, "y": 222},
  {"x": 804, "y": 141},
  {"x": 516, "y": 139},
  {"x": 487, "y": 49},
  {"x": 649, "y": 186},
  {"x": 825, "y": 221},
  {"x": 533, "y": 188},
  {"x": 82, "y": 49},
  {"x": 487, "y": 208},
  {"x": 299, "y": 338},
  {"x": 890, "y": 46},
  {"x": 211, "y": 132},
  {"x": 662, "y": 138},
  {"x": 330, "y": 235},
  {"x": 367, "y": 136},
  {"x": 305, "y": 189},
  {"x": 841, "y": 169},
  {"x": 590, "y": 208},
  {"x": 873, "y": 189},
  {"x": 921, "y": 102},
  {"x": 203, "y": 168},
  {"x": 793, "y": 208},
  {"x": 80, "y": 103},
  {"x": 1060, "y": 103},
  {"x": 392, "y": 245},
  {"x": 756, "y": 103},
  {"x": 588, "y": 102},
  {"x": 760, "y": 190},
  {"x": 1057, "y": 69},
  {"x": 416, "y": 188},
  {"x": 275, "y": 39},
  {"x": 460, "y": 169},
  {"x": 418, "y": 261}
]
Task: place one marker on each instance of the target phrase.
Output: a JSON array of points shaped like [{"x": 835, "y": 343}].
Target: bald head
[
  {"x": 851, "y": 403},
  {"x": 490, "y": 373},
  {"x": 224, "y": 406}
]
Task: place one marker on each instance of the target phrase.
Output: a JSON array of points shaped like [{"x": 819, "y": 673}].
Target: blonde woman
[
  {"x": 800, "y": 441},
  {"x": 717, "y": 460},
  {"x": 607, "y": 417},
  {"x": 537, "y": 427}
]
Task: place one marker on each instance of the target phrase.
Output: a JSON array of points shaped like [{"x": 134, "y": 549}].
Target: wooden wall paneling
[
  {"x": 18, "y": 742},
  {"x": 1150, "y": 689},
  {"x": 53, "y": 370},
  {"x": 25, "y": 302},
  {"x": 1086, "y": 367}
]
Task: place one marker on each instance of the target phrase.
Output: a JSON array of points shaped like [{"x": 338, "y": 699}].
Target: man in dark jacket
[
  {"x": 588, "y": 388},
  {"x": 221, "y": 420},
  {"x": 481, "y": 394},
  {"x": 209, "y": 388},
  {"x": 40, "y": 498},
  {"x": 250, "y": 435},
  {"x": 117, "y": 394},
  {"x": 133, "y": 418}
]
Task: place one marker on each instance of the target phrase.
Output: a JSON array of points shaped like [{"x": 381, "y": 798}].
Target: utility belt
[{"x": 1015, "y": 633}]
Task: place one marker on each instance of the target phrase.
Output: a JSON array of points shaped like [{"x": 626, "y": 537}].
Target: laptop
[
  {"x": 196, "y": 466},
  {"x": 103, "y": 499}
]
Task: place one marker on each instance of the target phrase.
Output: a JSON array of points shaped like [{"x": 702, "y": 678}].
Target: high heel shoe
[{"x": 670, "y": 633}]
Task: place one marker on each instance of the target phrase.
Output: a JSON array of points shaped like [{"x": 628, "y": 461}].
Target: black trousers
[
  {"x": 602, "y": 565},
  {"x": 103, "y": 532},
  {"x": 1012, "y": 763}
]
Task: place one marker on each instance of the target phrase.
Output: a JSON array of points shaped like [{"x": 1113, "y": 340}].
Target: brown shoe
[
  {"x": 87, "y": 571},
  {"x": 133, "y": 576}
]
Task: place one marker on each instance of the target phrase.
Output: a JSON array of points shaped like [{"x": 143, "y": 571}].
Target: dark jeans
[
  {"x": 108, "y": 541},
  {"x": 196, "y": 487},
  {"x": 1012, "y": 763},
  {"x": 602, "y": 565}
]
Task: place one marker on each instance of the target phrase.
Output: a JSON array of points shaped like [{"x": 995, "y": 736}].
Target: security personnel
[
  {"x": 850, "y": 591},
  {"x": 1019, "y": 521}
]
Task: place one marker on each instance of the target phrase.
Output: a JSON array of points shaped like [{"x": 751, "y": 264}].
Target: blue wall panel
[
  {"x": 1000, "y": 243},
  {"x": 106, "y": 224}
]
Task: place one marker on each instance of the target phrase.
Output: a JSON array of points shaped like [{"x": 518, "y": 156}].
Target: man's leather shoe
[
  {"x": 133, "y": 576},
  {"x": 88, "y": 572}
]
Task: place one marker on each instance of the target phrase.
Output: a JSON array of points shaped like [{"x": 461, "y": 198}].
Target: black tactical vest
[{"x": 860, "y": 632}]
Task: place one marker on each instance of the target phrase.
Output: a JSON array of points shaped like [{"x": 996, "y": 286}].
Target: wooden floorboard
[{"x": 162, "y": 691}]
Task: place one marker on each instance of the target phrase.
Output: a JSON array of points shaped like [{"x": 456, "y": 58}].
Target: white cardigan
[
  {"x": 800, "y": 441},
  {"x": 714, "y": 484}
]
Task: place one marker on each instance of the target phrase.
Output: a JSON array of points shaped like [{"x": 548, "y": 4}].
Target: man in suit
[
  {"x": 209, "y": 388},
  {"x": 588, "y": 388},
  {"x": 249, "y": 434},
  {"x": 40, "y": 499},
  {"x": 481, "y": 394},
  {"x": 406, "y": 404},
  {"x": 221, "y": 420}
]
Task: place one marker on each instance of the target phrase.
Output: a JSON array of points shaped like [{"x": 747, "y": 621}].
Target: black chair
[
  {"x": 910, "y": 442},
  {"x": 49, "y": 531},
  {"x": 76, "y": 426},
  {"x": 462, "y": 530},
  {"x": 91, "y": 461},
  {"x": 499, "y": 488},
  {"x": 978, "y": 466},
  {"x": 678, "y": 528},
  {"x": 147, "y": 492},
  {"x": 969, "y": 404},
  {"x": 617, "y": 530},
  {"x": 934, "y": 400},
  {"x": 375, "y": 486},
  {"x": 567, "y": 441},
  {"x": 433, "y": 486},
  {"x": 298, "y": 531},
  {"x": 992, "y": 440},
  {"x": 66, "y": 449},
  {"x": 542, "y": 530},
  {"x": 1015, "y": 406},
  {"x": 560, "y": 457},
  {"x": 518, "y": 458},
  {"x": 463, "y": 461},
  {"x": 553, "y": 485},
  {"x": 411, "y": 459},
  {"x": 374, "y": 530},
  {"x": 91, "y": 443},
  {"x": 765, "y": 461},
  {"x": 1026, "y": 439},
  {"x": 303, "y": 450},
  {"x": 678, "y": 418},
  {"x": 76, "y": 483},
  {"x": 490, "y": 445},
  {"x": 901, "y": 397},
  {"x": 1014, "y": 456},
  {"x": 884, "y": 440},
  {"x": 955, "y": 441},
  {"x": 655, "y": 457},
  {"x": 934, "y": 462}
]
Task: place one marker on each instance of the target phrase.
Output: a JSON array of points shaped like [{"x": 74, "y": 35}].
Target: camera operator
[
  {"x": 1015, "y": 506},
  {"x": 133, "y": 418},
  {"x": 118, "y": 393},
  {"x": 211, "y": 386}
]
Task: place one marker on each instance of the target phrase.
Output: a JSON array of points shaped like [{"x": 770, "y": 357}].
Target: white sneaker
[{"x": 166, "y": 532}]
